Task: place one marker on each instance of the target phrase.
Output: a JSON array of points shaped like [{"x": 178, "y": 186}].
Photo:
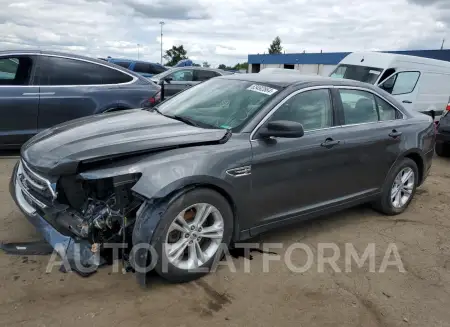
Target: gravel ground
[{"x": 420, "y": 296}]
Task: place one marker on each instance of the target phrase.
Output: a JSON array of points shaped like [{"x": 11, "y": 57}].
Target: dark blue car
[
  {"x": 40, "y": 89},
  {"x": 146, "y": 69}
]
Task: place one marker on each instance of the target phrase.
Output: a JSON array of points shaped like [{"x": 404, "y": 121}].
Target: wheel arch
[{"x": 418, "y": 157}]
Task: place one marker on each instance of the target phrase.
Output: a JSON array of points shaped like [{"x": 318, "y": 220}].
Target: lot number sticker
[{"x": 262, "y": 89}]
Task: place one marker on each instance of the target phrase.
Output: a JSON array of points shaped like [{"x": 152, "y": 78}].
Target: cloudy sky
[{"x": 222, "y": 31}]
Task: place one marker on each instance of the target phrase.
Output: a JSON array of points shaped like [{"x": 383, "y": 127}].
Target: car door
[
  {"x": 19, "y": 99},
  {"x": 72, "y": 88},
  {"x": 371, "y": 134},
  {"x": 404, "y": 87},
  {"x": 178, "y": 81},
  {"x": 300, "y": 175}
]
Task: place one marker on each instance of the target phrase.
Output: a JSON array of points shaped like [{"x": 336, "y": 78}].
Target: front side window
[
  {"x": 401, "y": 83},
  {"x": 64, "y": 71},
  {"x": 15, "y": 70},
  {"x": 220, "y": 103},
  {"x": 358, "y": 73},
  {"x": 311, "y": 108},
  {"x": 359, "y": 106},
  {"x": 184, "y": 75}
]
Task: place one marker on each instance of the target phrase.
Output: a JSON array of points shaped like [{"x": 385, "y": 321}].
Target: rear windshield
[{"x": 358, "y": 73}]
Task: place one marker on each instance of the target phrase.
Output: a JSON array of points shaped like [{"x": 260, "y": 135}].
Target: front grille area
[{"x": 36, "y": 189}]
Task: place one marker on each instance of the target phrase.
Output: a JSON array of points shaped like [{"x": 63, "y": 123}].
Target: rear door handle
[
  {"x": 406, "y": 101},
  {"x": 394, "y": 134},
  {"x": 329, "y": 143}
]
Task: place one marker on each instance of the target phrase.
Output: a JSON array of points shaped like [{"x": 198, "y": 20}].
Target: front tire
[
  {"x": 191, "y": 235},
  {"x": 399, "y": 188}
]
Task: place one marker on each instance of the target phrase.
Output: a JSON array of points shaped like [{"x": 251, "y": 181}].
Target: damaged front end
[{"x": 79, "y": 217}]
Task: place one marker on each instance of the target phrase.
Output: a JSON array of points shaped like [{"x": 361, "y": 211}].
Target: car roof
[
  {"x": 71, "y": 55},
  {"x": 284, "y": 80},
  {"x": 135, "y": 61},
  {"x": 198, "y": 68}
]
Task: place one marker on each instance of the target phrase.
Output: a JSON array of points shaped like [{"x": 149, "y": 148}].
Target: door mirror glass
[
  {"x": 283, "y": 128},
  {"x": 168, "y": 79}
]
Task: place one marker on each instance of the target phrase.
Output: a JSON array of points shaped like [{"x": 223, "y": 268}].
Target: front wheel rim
[
  {"x": 402, "y": 188},
  {"x": 194, "y": 236}
]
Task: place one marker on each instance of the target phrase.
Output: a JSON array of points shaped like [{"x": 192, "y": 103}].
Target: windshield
[
  {"x": 357, "y": 73},
  {"x": 219, "y": 103}
]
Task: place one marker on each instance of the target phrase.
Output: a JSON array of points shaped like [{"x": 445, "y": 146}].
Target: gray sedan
[
  {"x": 39, "y": 89},
  {"x": 180, "y": 78}
]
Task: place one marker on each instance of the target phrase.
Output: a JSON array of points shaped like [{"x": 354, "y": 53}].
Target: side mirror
[
  {"x": 282, "y": 128},
  {"x": 389, "y": 83},
  {"x": 168, "y": 80}
]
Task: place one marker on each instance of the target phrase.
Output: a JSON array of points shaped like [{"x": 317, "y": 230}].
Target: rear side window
[
  {"x": 204, "y": 75},
  {"x": 401, "y": 83},
  {"x": 64, "y": 71},
  {"x": 359, "y": 106},
  {"x": 386, "y": 111},
  {"x": 15, "y": 70}
]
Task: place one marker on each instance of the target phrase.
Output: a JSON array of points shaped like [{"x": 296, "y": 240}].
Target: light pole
[
  {"x": 161, "y": 23},
  {"x": 138, "y": 49}
]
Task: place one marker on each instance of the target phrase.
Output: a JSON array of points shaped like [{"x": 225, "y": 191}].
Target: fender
[{"x": 413, "y": 151}]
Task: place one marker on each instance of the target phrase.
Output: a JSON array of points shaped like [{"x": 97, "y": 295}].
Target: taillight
[
  {"x": 448, "y": 107},
  {"x": 155, "y": 98}
]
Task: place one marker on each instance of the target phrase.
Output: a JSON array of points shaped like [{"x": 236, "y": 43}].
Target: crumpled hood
[{"x": 60, "y": 149}]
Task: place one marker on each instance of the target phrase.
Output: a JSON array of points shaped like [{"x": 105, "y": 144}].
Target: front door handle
[
  {"x": 394, "y": 134},
  {"x": 329, "y": 143},
  {"x": 406, "y": 101}
]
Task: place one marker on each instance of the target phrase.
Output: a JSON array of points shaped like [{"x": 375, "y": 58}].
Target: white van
[{"x": 421, "y": 84}]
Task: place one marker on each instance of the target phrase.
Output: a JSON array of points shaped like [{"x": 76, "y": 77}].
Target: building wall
[{"x": 323, "y": 70}]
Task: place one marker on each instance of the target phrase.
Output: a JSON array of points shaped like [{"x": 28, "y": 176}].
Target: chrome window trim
[
  {"x": 267, "y": 116},
  {"x": 272, "y": 111},
  {"x": 134, "y": 79}
]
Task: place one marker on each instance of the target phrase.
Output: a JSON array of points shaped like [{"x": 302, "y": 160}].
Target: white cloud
[{"x": 220, "y": 31}]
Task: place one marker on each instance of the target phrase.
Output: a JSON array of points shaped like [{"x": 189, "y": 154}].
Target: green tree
[
  {"x": 222, "y": 66},
  {"x": 206, "y": 64},
  {"x": 241, "y": 66},
  {"x": 275, "y": 47},
  {"x": 174, "y": 55}
]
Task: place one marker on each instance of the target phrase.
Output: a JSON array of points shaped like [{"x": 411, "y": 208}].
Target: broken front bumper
[{"x": 74, "y": 251}]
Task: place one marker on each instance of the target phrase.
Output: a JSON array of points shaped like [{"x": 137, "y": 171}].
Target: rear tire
[
  {"x": 442, "y": 149},
  {"x": 399, "y": 188},
  {"x": 203, "y": 246}
]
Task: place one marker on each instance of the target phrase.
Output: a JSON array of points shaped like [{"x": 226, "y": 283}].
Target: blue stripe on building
[{"x": 333, "y": 58}]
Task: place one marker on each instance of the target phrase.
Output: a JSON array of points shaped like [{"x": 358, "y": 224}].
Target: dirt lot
[{"x": 418, "y": 297}]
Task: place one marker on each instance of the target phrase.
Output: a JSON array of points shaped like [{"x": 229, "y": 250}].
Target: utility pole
[
  {"x": 161, "y": 23},
  {"x": 442, "y": 46},
  {"x": 138, "y": 49}
]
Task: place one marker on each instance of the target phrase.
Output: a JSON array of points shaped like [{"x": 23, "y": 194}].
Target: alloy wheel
[
  {"x": 402, "y": 188},
  {"x": 194, "y": 236}
]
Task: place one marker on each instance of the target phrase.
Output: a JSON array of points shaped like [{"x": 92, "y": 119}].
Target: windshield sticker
[
  {"x": 375, "y": 72},
  {"x": 262, "y": 89}
]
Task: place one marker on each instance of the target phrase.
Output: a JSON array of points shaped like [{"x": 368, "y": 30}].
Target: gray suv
[
  {"x": 39, "y": 89},
  {"x": 181, "y": 78}
]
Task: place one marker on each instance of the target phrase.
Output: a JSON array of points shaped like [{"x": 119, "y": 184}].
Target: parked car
[
  {"x": 221, "y": 162},
  {"x": 421, "y": 84},
  {"x": 40, "y": 89},
  {"x": 443, "y": 134},
  {"x": 146, "y": 69},
  {"x": 180, "y": 78}
]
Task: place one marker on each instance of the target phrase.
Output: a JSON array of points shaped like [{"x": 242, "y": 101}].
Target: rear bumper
[{"x": 74, "y": 251}]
